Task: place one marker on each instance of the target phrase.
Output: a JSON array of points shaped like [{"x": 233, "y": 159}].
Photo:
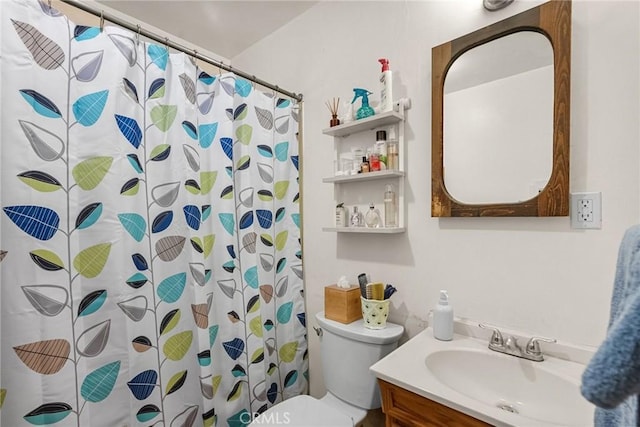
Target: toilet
[{"x": 347, "y": 352}]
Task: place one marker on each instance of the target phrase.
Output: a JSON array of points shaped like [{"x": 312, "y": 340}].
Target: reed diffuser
[{"x": 333, "y": 109}]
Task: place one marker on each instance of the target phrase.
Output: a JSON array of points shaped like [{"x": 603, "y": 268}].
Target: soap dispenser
[{"x": 443, "y": 319}]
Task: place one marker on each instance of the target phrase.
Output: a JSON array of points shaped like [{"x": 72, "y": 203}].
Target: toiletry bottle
[
  {"x": 390, "y": 207},
  {"x": 365, "y": 110},
  {"x": 386, "y": 86},
  {"x": 364, "y": 166},
  {"x": 341, "y": 215},
  {"x": 372, "y": 217},
  {"x": 443, "y": 319},
  {"x": 381, "y": 148},
  {"x": 374, "y": 162},
  {"x": 357, "y": 154},
  {"x": 392, "y": 156},
  {"x": 356, "y": 218}
]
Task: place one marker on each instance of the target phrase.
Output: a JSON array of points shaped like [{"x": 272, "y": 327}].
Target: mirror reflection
[{"x": 498, "y": 120}]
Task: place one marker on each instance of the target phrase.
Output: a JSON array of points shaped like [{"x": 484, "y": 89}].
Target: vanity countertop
[{"x": 407, "y": 368}]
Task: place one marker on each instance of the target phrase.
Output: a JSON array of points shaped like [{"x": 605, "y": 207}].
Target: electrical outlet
[{"x": 586, "y": 210}]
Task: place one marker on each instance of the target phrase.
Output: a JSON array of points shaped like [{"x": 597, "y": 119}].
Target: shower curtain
[{"x": 151, "y": 266}]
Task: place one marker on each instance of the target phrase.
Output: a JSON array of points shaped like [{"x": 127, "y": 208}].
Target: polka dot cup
[{"x": 375, "y": 313}]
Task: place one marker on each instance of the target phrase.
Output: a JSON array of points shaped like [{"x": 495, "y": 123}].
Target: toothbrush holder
[{"x": 375, "y": 313}]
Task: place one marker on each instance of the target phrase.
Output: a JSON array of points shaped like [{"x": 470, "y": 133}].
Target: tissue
[{"x": 343, "y": 282}]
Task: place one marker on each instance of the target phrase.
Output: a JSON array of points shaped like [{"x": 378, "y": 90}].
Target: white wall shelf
[
  {"x": 355, "y": 190},
  {"x": 369, "y": 176},
  {"x": 373, "y": 122},
  {"x": 382, "y": 230}
]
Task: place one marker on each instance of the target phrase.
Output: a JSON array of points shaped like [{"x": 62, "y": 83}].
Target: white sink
[
  {"x": 511, "y": 384},
  {"x": 499, "y": 389}
]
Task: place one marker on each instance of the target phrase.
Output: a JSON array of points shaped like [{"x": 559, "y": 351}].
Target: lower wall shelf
[{"x": 394, "y": 230}]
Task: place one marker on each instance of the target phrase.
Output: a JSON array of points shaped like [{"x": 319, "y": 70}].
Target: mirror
[
  {"x": 498, "y": 99},
  {"x": 500, "y": 118}
]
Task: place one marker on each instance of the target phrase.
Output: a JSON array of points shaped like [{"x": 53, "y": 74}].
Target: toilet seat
[
  {"x": 356, "y": 414},
  {"x": 302, "y": 411}
]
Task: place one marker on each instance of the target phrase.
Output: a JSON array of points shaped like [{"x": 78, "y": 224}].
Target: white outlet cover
[{"x": 586, "y": 220}]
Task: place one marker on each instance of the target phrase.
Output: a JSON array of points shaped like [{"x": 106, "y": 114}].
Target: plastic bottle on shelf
[
  {"x": 381, "y": 148},
  {"x": 392, "y": 156},
  {"x": 386, "y": 86},
  {"x": 390, "y": 207},
  {"x": 341, "y": 215},
  {"x": 374, "y": 162}
]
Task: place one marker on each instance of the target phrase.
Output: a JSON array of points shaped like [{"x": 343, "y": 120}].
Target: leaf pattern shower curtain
[{"x": 151, "y": 268}]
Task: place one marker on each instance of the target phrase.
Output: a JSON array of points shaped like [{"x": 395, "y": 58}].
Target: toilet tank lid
[{"x": 357, "y": 331}]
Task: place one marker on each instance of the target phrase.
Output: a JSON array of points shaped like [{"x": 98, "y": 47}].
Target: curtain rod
[{"x": 169, "y": 43}]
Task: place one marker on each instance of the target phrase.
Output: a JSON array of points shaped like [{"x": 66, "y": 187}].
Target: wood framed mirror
[{"x": 550, "y": 196}]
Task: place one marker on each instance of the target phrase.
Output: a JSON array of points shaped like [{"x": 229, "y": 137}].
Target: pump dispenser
[
  {"x": 386, "y": 86},
  {"x": 443, "y": 319},
  {"x": 365, "y": 110}
]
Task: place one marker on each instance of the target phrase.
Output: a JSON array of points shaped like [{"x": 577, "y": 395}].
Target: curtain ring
[
  {"x": 101, "y": 20},
  {"x": 138, "y": 35},
  {"x": 220, "y": 69},
  {"x": 166, "y": 44},
  {"x": 194, "y": 59}
]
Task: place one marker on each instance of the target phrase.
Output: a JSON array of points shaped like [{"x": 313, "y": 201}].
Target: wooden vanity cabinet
[{"x": 403, "y": 408}]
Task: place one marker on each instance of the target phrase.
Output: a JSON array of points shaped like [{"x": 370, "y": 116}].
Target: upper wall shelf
[
  {"x": 366, "y": 230},
  {"x": 364, "y": 176},
  {"x": 382, "y": 119}
]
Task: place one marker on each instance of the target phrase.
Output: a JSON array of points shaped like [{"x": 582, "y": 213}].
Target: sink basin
[
  {"x": 501, "y": 390},
  {"x": 511, "y": 384}
]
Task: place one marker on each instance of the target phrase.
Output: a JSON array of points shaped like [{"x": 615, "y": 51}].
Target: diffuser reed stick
[{"x": 333, "y": 109}]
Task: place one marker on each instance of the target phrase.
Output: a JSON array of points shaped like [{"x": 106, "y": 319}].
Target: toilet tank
[{"x": 347, "y": 351}]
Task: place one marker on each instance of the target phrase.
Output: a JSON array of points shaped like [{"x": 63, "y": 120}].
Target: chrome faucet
[{"x": 531, "y": 350}]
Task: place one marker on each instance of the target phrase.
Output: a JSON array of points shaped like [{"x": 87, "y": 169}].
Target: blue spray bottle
[{"x": 365, "y": 110}]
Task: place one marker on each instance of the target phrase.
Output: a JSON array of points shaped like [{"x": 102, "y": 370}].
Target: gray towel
[{"x": 611, "y": 380}]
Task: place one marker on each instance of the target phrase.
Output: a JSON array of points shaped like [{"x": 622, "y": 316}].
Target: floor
[{"x": 375, "y": 418}]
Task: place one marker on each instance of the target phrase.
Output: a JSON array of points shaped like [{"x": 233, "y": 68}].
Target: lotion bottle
[
  {"x": 390, "y": 207},
  {"x": 341, "y": 215},
  {"x": 386, "y": 86},
  {"x": 443, "y": 319}
]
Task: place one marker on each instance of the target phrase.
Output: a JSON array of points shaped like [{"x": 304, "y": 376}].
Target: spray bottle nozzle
[
  {"x": 385, "y": 64},
  {"x": 357, "y": 93}
]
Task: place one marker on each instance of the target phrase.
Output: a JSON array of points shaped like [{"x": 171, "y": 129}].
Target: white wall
[{"x": 531, "y": 274}]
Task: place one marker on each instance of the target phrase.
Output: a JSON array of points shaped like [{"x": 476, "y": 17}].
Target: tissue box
[{"x": 342, "y": 305}]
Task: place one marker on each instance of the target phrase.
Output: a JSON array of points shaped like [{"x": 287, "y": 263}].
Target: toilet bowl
[{"x": 347, "y": 352}]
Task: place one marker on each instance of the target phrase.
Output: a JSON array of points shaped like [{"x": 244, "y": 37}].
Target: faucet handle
[
  {"x": 496, "y": 337},
  {"x": 533, "y": 348}
]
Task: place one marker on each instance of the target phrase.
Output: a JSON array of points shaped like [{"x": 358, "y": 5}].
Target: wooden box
[{"x": 342, "y": 305}]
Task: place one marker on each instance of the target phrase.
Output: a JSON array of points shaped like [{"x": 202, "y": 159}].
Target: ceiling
[{"x": 225, "y": 27}]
